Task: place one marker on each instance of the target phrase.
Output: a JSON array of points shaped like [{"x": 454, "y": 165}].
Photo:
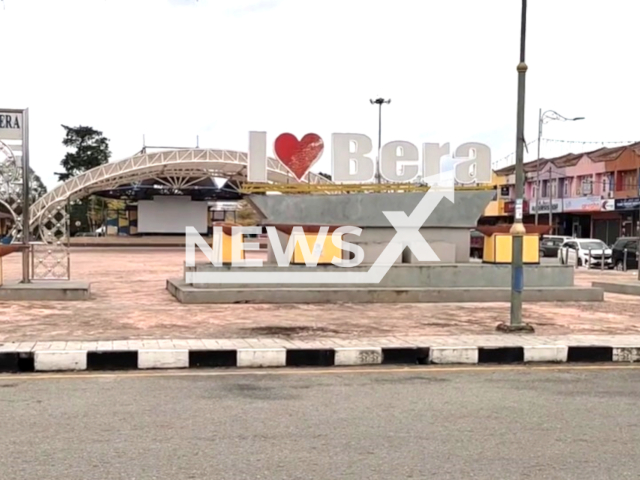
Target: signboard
[
  {"x": 504, "y": 191},
  {"x": 608, "y": 205},
  {"x": 225, "y": 206},
  {"x": 10, "y": 125},
  {"x": 627, "y": 203},
  {"x": 519, "y": 209},
  {"x": 509, "y": 207},
  {"x": 590, "y": 203},
  {"x": 353, "y": 159},
  {"x": 543, "y": 205}
]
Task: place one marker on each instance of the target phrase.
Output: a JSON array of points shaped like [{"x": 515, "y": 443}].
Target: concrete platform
[
  {"x": 52, "y": 291},
  {"x": 365, "y": 210},
  {"x": 446, "y": 228},
  {"x": 185, "y": 293},
  {"x": 623, "y": 288},
  {"x": 437, "y": 275}
]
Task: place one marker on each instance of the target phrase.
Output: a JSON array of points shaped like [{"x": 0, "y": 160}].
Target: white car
[
  {"x": 582, "y": 251},
  {"x": 562, "y": 238}
]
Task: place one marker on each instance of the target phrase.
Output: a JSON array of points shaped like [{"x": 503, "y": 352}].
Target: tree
[
  {"x": 91, "y": 150},
  {"x": 37, "y": 187},
  {"x": 325, "y": 175},
  {"x": 246, "y": 215}
]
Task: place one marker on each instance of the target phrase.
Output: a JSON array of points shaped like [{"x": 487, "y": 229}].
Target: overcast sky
[{"x": 174, "y": 69}]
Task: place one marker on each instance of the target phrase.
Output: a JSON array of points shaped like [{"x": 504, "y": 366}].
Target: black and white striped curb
[{"x": 115, "y": 360}]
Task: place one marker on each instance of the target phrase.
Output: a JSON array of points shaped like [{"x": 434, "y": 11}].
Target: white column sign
[{"x": 519, "y": 209}]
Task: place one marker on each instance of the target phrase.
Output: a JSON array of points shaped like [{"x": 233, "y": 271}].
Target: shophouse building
[{"x": 592, "y": 194}]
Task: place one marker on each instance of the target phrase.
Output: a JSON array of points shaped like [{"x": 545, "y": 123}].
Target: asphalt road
[{"x": 446, "y": 424}]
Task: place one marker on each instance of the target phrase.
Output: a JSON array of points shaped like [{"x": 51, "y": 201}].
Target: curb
[{"x": 144, "y": 359}]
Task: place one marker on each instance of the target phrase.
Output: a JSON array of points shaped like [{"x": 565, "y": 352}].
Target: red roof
[{"x": 603, "y": 154}]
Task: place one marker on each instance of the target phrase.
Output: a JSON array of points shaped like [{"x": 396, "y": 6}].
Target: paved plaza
[{"x": 130, "y": 302}]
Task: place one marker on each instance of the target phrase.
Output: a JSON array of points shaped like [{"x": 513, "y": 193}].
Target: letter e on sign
[{"x": 399, "y": 161}]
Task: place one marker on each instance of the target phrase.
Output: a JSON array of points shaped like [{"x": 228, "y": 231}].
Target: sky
[{"x": 172, "y": 70}]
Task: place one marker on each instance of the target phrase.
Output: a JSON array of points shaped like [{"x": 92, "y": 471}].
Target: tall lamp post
[
  {"x": 517, "y": 229},
  {"x": 379, "y": 102},
  {"x": 543, "y": 118}
]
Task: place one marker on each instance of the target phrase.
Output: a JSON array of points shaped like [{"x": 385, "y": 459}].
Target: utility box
[
  {"x": 498, "y": 248},
  {"x": 498, "y": 243}
]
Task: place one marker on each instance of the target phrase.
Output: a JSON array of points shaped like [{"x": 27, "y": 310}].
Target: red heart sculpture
[{"x": 298, "y": 155}]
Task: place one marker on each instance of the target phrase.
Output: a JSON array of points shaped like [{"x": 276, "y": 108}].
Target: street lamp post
[
  {"x": 551, "y": 183},
  {"x": 26, "y": 197},
  {"x": 545, "y": 117},
  {"x": 379, "y": 102},
  {"x": 517, "y": 229}
]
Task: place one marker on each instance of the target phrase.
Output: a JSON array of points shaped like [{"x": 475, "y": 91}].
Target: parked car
[
  {"x": 477, "y": 244},
  {"x": 585, "y": 251},
  {"x": 550, "y": 244},
  {"x": 631, "y": 244},
  {"x": 564, "y": 238}
]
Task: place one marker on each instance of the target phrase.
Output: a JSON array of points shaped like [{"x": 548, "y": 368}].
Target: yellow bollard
[
  {"x": 326, "y": 251},
  {"x": 222, "y": 244}
]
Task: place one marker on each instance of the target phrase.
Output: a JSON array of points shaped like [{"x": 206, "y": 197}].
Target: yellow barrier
[
  {"x": 223, "y": 243},
  {"x": 327, "y": 251}
]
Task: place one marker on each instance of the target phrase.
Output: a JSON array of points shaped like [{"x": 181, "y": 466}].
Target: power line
[
  {"x": 503, "y": 159},
  {"x": 603, "y": 142}
]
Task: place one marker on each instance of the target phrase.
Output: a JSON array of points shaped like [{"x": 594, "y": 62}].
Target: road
[{"x": 507, "y": 423}]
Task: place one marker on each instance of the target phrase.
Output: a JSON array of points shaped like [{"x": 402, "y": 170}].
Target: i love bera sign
[{"x": 352, "y": 160}]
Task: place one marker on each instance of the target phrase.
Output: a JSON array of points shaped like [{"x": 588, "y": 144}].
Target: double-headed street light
[
  {"x": 546, "y": 117},
  {"x": 379, "y": 102}
]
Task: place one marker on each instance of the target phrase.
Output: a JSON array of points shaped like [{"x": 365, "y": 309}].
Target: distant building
[{"x": 593, "y": 194}]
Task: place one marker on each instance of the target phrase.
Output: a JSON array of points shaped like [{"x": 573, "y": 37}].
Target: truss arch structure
[{"x": 180, "y": 164}]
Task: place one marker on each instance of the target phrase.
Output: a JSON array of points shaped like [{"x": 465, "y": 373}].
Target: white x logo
[{"x": 408, "y": 227}]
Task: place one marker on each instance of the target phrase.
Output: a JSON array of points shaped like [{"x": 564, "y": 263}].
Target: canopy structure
[{"x": 180, "y": 168}]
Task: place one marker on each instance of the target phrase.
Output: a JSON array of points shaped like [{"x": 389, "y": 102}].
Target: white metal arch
[{"x": 172, "y": 163}]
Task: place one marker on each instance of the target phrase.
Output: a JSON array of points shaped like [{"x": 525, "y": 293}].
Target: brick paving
[{"x": 131, "y": 304}]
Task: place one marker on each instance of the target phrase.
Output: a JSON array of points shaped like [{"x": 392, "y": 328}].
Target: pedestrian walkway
[{"x": 130, "y": 301}]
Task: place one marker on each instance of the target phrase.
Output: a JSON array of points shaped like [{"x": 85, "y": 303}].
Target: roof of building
[{"x": 604, "y": 154}]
